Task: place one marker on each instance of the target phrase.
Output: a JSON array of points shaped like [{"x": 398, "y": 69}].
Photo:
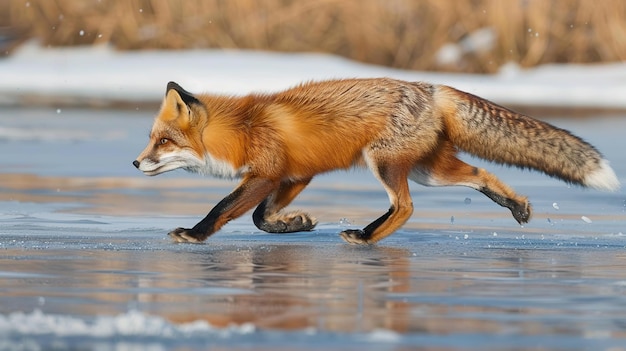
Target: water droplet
[{"x": 467, "y": 201}]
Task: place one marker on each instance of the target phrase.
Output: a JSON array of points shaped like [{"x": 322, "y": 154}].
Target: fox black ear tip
[
  {"x": 173, "y": 85},
  {"x": 186, "y": 96}
]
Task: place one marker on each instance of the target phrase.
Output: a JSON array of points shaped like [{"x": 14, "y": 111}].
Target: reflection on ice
[{"x": 261, "y": 288}]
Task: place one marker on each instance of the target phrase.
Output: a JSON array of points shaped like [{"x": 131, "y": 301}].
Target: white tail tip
[{"x": 603, "y": 178}]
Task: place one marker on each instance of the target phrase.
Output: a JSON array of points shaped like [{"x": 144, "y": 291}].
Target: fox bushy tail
[{"x": 494, "y": 133}]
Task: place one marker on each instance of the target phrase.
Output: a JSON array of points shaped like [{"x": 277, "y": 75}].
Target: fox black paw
[
  {"x": 355, "y": 236},
  {"x": 522, "y": 213},
  {"x": 182, "y": 235},
  {"x": 288, "y": 223}
]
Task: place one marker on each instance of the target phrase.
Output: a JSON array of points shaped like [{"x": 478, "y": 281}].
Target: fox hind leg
[
  {"x": 270, "y": 218},
  {"x": 445, "y": 169},
  {"x": 394, "y": 179}
]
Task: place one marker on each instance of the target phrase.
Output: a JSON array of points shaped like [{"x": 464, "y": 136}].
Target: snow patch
[
  {"x": 103, "y": 74},
  {"x": 479, "y": 41},
  {"x": 383, "y": 335},
  {"x": 131, "y": 323}
]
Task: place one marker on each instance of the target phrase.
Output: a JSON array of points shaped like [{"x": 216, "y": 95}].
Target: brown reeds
[{"x": 412, "y": 34}]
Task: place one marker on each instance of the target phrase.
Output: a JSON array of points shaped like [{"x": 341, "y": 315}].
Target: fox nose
[{"x": 136, "y": 164}]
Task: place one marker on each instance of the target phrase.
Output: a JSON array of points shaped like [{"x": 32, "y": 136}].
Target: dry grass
[{"x": 398, "y": 33}]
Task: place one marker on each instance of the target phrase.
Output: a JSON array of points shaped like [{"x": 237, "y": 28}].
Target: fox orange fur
[{"x": 400, "y": 130}]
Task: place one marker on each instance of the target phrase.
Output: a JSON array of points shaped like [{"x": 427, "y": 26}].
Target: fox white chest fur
[{"x": 214, "y": 167}]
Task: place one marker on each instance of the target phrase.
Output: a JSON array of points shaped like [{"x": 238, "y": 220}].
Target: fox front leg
[
  {"x": 269, "y": 215},
  {"x": 248, "y": 194}
]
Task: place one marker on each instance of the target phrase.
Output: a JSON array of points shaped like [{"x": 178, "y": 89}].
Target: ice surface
[{"x": 85, "y": 261}]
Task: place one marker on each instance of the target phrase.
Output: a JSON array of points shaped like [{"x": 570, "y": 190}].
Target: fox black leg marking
[
  {"x": 360, "y": 236},
  {"x": 521, "y": 210},
  {"x": 394, "y": 179},
  {"x": 206, "y": 227},
  {"x": 269, "y": 217},
  {"x": 249, "y": 193},
  {"x": 282, "y": 222}
]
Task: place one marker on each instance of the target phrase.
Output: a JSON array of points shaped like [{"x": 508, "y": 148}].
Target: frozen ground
[{"x": 85, "y": 262}]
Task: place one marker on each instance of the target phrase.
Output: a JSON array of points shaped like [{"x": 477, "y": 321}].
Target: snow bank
[
  {"x": 132, "y": 323},
  {"x": 137, "y": 330},
  {"x": 100, "y": 73}
]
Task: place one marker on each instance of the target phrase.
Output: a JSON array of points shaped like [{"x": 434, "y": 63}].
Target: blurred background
[{"x": 478, "y": 36}]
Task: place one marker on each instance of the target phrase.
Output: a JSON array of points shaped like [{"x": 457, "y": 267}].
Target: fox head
[{"x": 175, "y": 138}]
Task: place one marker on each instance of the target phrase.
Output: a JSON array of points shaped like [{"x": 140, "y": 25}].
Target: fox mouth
[
  {"x": 168, "y": 162},
  {"x": 150, "y": 168},
  {"x": 153, "y": 173}
]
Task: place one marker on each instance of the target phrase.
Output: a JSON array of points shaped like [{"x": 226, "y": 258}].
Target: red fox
[{"x": 400, "y": 130}]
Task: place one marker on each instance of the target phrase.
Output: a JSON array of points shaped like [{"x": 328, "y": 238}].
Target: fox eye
[{"x": 163, "y": 141}]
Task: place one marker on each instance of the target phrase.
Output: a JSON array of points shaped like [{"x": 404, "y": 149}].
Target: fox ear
[
  {"x": 185, "y": 96},
  {"x": 179, "y": 101}
]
